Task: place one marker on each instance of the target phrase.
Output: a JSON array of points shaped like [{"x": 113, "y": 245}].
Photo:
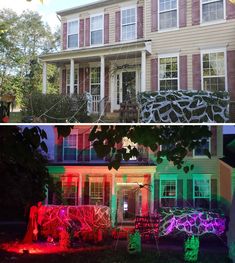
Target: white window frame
[
  {"x": 201, "y": 177},
  {"x": 214, "y": 21},
  {"x": 178, "y": 67},
  {"x": 202, "y": 156},
  {"x": 100, "y": 14},
  {"x": 215, "y": 50},
  {"x": 69, "y": 21},
  {"x": 74, "y": 181},
  {"x": 91, "y": 67},
  {"x": 96, "y": 180},
  {"x": 76, "y": 147},
  {"x": 126, "y": 8},
  {"x": 168, "y": 177},
  {"x": 172, "y": 28}
]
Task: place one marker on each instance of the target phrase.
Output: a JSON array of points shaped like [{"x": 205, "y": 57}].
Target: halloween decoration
[
  {"x": 191, "y": 248},
  {"x": 134, "y": 243}
]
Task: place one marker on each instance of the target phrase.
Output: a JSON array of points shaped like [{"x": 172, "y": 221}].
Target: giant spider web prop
[
  {"x": 85, "y": 218},
  {"x": 191, "y": 221}
]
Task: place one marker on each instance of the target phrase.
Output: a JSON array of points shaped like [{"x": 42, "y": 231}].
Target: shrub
[{"x": 55, "y": 108}]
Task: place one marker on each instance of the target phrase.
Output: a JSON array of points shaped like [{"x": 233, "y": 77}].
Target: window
[
  {"x": 96, "y": 191},
  {"x": 73, "y": 34},
  {"x": 95, "y": 81},
  {"x": 168, "y": 72},
  {"x": 212, "y": 10},
  {"x": 128, "y": 21},
  {"x": 168, "y": 14},
  {"x": 168, "y": 190},
  {"x": 97, "y": 26},
  {"x": 68, "y": 81},
  {"x": 199, "y": 151},
  {"x": 213, "y": 71},
  {"x": 69, "y": 193},
  {"x": 201, "y": 191},
  {"x": 70, "y": 148}
]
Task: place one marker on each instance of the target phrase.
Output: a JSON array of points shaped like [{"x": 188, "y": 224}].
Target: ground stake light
[
  {"x": 191, "y": 248},
  {"x": 134, "y": 243}
]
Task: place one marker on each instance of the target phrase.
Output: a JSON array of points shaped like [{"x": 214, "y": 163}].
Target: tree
[
  {"x": 178, "y": 141},
  {"x": 22, "y": 168}
]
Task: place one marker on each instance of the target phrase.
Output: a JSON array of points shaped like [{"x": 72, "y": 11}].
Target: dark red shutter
[
  {"x": 87, "y": 148},
  {"x": 154, "y": 15},
  {"x": 214, "y": 193},
  {"x": 214, "y": 141},
  {"x": 65, "y": 35},
  {"x": 195, "y": 12},
  {"x": 87, "y": 32},
  {"x": 154, "y": 74},
  {"x": 59, "y": 148},
  {"x": 140, "y": 22},
  {"x": 80, "y": 147},
  {"x": 190, "y": 192},
  {"x": 118, "y": 26},
  {"x": 106, "y": 192},
  {"x": 81, "y": 80},
  {"x": 180, "y": 198},
  {"x": 196, "y": 71},
  {"x": 63, "y": 91},
  {"x": 87, "y": 79},
  {"x": 182, "y": 13},
  {"x": 156, "y": 194},
  {"x": 230, "y": 8},
  {"x": 183, "y": 73},
  {"x": 106, "y": 28},
  {"x": 81, "y": 33},
  {"x": 231, "y": 73},
  {"x": 86, "y": 192}
]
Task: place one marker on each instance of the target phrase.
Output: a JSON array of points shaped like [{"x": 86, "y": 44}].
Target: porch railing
[{"x": 95, "y": 103}]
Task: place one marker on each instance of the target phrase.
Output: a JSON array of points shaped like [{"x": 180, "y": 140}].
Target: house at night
[
  {"x": 116, "y": 49},
  {"x": 84, "y": 179}
]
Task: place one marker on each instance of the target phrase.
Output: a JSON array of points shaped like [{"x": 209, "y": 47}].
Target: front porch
[{"x": 109, "y": 74}]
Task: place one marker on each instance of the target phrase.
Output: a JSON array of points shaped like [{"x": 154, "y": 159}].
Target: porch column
[
  {"x": 143, "y": 71},
  {"x": 113, "y": 201},
  {"x": 102, "y": 82},
  {"x": 80, "y": 190},
  {"x": 78, "y": 86},
  {"x": 152, "y": 194},
  {"x": 71, "y": 76},
  {"x": 44, "y": 80}
]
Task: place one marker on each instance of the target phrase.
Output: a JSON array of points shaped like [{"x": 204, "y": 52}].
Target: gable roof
[{"x": 82, "y": 8}]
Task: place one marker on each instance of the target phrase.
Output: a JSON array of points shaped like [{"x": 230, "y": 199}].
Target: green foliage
[
  {"x": 176, "y": 141},
  {"x": 22, "y": 168},
  {"x": 55, "y": 108},
  {"x": 22, "y": 38}
]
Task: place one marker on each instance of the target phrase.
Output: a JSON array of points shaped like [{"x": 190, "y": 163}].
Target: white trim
[
  {"x": 215, "y": 50},
  {"x": 99, "y": 180},
  {"x": 158, "y": 18},
  {"x": 91, "y": 16},
  {"x": 169, "y": 55},
  {"x": 69, "y": 21},
  {"x": 168, "y": 177},
  {"x": 126, "y": 8},
  {"x": 214, "y": 22}
]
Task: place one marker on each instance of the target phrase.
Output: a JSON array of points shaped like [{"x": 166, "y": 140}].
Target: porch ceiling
[{"x": 93, "y": 54}]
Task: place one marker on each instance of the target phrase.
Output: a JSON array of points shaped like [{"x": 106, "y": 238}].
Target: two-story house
[
  {"x": 113, "y": 50},
  {"x": 83, "y": 179}
]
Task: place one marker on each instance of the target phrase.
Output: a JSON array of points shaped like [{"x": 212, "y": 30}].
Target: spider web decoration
[
  {"x": 86, "y": 218},
  {"x": 191, "y": 221}
]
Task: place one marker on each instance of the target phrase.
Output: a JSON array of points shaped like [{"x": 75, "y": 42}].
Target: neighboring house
[
  {"x": 85, "y": 179},
  {"x": 115, "y": 49}
]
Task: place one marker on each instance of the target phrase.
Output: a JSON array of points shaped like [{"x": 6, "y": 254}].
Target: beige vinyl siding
[{"x": 189, "y": 40}]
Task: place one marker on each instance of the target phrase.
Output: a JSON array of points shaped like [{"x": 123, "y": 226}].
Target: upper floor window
[
  {"x": 200, "y": 151},
  {"x": 214, "y": 70},
  {"x": 168, "y": 72},
  {"x": 97, "y": 28},
  {"x": 168, "y": 17},
  {"x": 202, "y": 190},
  {"x": 73, "y": 34},
  {"x": 128, "y": 22},
  {"x": 212, "y": 10},
  {"x": 68, "y": 81},
  {"x": 168, "y": 190},
  {"x": 70, "y": 148}
]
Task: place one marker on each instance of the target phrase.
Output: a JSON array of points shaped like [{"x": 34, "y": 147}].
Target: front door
[
  {"x": 129, "y": 204},
  {"x": 126, "y": 87}
]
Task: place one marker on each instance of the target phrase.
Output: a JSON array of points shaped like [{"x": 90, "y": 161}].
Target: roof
[
  {"x": 82, "y": 8},
  {"x": 229, "y": 161}
]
